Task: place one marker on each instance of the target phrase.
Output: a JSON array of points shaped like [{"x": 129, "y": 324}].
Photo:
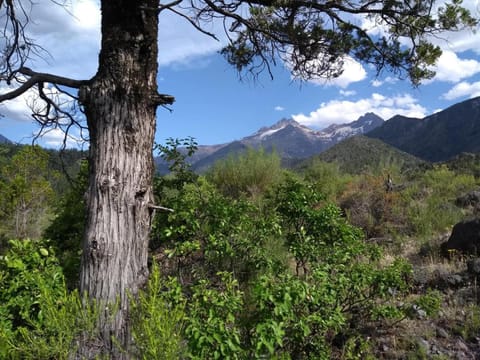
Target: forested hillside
[{"x": 252, "y": 261}]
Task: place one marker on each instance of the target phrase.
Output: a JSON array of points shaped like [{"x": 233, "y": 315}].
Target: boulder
[
  {"x": 473, "y": 266},
  {"x": 465, "y": 238},
  {"x": 470, "y": 199}
]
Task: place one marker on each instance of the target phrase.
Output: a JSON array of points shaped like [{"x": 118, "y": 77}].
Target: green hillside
[{"x": 360, "y": 153}]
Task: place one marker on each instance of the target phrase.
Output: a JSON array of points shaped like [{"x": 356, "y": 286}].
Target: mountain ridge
[
  {"x": 290, "y": 139},
  {"x": 437, "y": 137}
]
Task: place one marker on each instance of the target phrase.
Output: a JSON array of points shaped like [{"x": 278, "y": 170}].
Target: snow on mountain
[
  {"x": 289, "y": 139},
  {"x": 363, "y": 125},
  {"x": 292, "y": 140}
]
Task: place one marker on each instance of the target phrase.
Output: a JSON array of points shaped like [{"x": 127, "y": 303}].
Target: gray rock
[
  {"x": 473, "y": 266},
  {"x": 441, "y": 332},
  {"x": 454, "y": 280},
  {"x": 470, "y": 199},
  {"x": 423, "y": 345},
  {"x": 465, "y": 238}
]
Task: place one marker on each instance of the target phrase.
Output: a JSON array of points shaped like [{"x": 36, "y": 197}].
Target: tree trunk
[{"x": 120, "y": 107}]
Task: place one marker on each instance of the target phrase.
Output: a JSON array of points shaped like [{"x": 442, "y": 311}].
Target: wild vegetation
[{"x": 254, "y": 262}]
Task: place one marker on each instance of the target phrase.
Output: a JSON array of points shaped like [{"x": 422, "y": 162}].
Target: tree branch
[{"x": 37, "y": 78}]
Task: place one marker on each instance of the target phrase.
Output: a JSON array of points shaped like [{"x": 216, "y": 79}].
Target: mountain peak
[{"x": 278, "y": 125}]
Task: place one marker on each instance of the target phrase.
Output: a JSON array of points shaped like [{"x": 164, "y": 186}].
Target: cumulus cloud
[
  {"x": 353, "y": 72},
  {"x": 463, "y": 89},
  {"x": 279, "y": 108},
  {"x": 343, "y": 111},
  {"x": 451, "y": 68}
]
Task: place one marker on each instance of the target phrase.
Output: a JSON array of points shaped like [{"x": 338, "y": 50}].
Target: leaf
[{"x": 43, "y": 251}]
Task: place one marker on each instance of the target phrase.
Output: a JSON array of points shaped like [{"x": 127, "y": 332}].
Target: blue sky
[{"x": 214, "y": 106}]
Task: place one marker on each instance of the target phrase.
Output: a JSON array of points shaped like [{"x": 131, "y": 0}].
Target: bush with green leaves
[
  {"x": 339, "y": 292},
  {"x": 158, "y": 319},
  {"x": 26, "y": 195},
  {"x": 176, "y": 153},
  {"x": 326, "y": 178},
  {"x": 213, "y": 328},
  {"x": 208, "y": 232},
  {"x": 210, "y": 241},
  {"x": 250, "y": 173},
  {"x": 430, "y": 201},
  {"x": 39, "y": 318}
]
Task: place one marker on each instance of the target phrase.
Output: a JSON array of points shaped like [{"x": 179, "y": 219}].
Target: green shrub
[
  {"x": 208, "y": 233},
  {"x": 326, "y": 178},
  {"x": 39, "y": 319},
  {"x": 250, "y": 173},
  {"x": 429, "y": 202},
  {"x": 212, "y": 329},
  {"x": 158, "y": 319},
  {"x": 67, "y": 227}
]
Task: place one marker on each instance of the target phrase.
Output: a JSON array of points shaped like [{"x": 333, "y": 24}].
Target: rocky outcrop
[
  {"x": 465, "y": 238},
  {"x": 470, "y": 199}
]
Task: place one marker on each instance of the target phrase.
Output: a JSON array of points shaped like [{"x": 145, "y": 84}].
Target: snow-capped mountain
[
  {"x": 291, "y": 140},
  {"x": 363, "y": 125}
]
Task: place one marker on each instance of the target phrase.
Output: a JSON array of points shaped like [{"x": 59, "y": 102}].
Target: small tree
[
  {"x": 250, "y": 173},
  {"x": 26, "y": 194}
]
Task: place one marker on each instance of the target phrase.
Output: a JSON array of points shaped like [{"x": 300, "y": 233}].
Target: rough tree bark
[{"x": 120, "y": 104}]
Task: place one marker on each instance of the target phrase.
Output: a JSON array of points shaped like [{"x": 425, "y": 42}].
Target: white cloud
[
  {"x": 17, "y": 109},
  {"x": 343, "y": 111},
  {"x": 353, "y": 71},
  {"x": 71, "y": 35},
  {"x": 347, "y": 93},
  {"x": 463, "y": 89},
  {"x": 279, "y": 108},
  {"x": 387, "y": 80},
  {"x": 451, "y": 68},
  {"x": 180, "y": 42},
  {"x": 56, "y": 137}
]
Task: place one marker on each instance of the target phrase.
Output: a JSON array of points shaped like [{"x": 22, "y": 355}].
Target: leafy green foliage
[
  {"x": 430, "y": 202},
  {"x": 326, "y": 178},
  {"x": 176, "y": 152},
  {"x": 250, "y": 173},
  {"x": 225, "y": 234},
  {"x": 158, "y": 319},
  {"x": 25, "y": 194},
  {"x": 39, "y": 319},
  {"x": 212, "y": 327},
  {"x": 67, "y": 227}
]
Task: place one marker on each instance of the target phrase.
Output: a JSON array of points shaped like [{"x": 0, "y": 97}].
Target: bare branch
[
  {"x": 156, "y": 207},
  {"x": 192, "y": 22},
  {"x": 37, "y": 78}
]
